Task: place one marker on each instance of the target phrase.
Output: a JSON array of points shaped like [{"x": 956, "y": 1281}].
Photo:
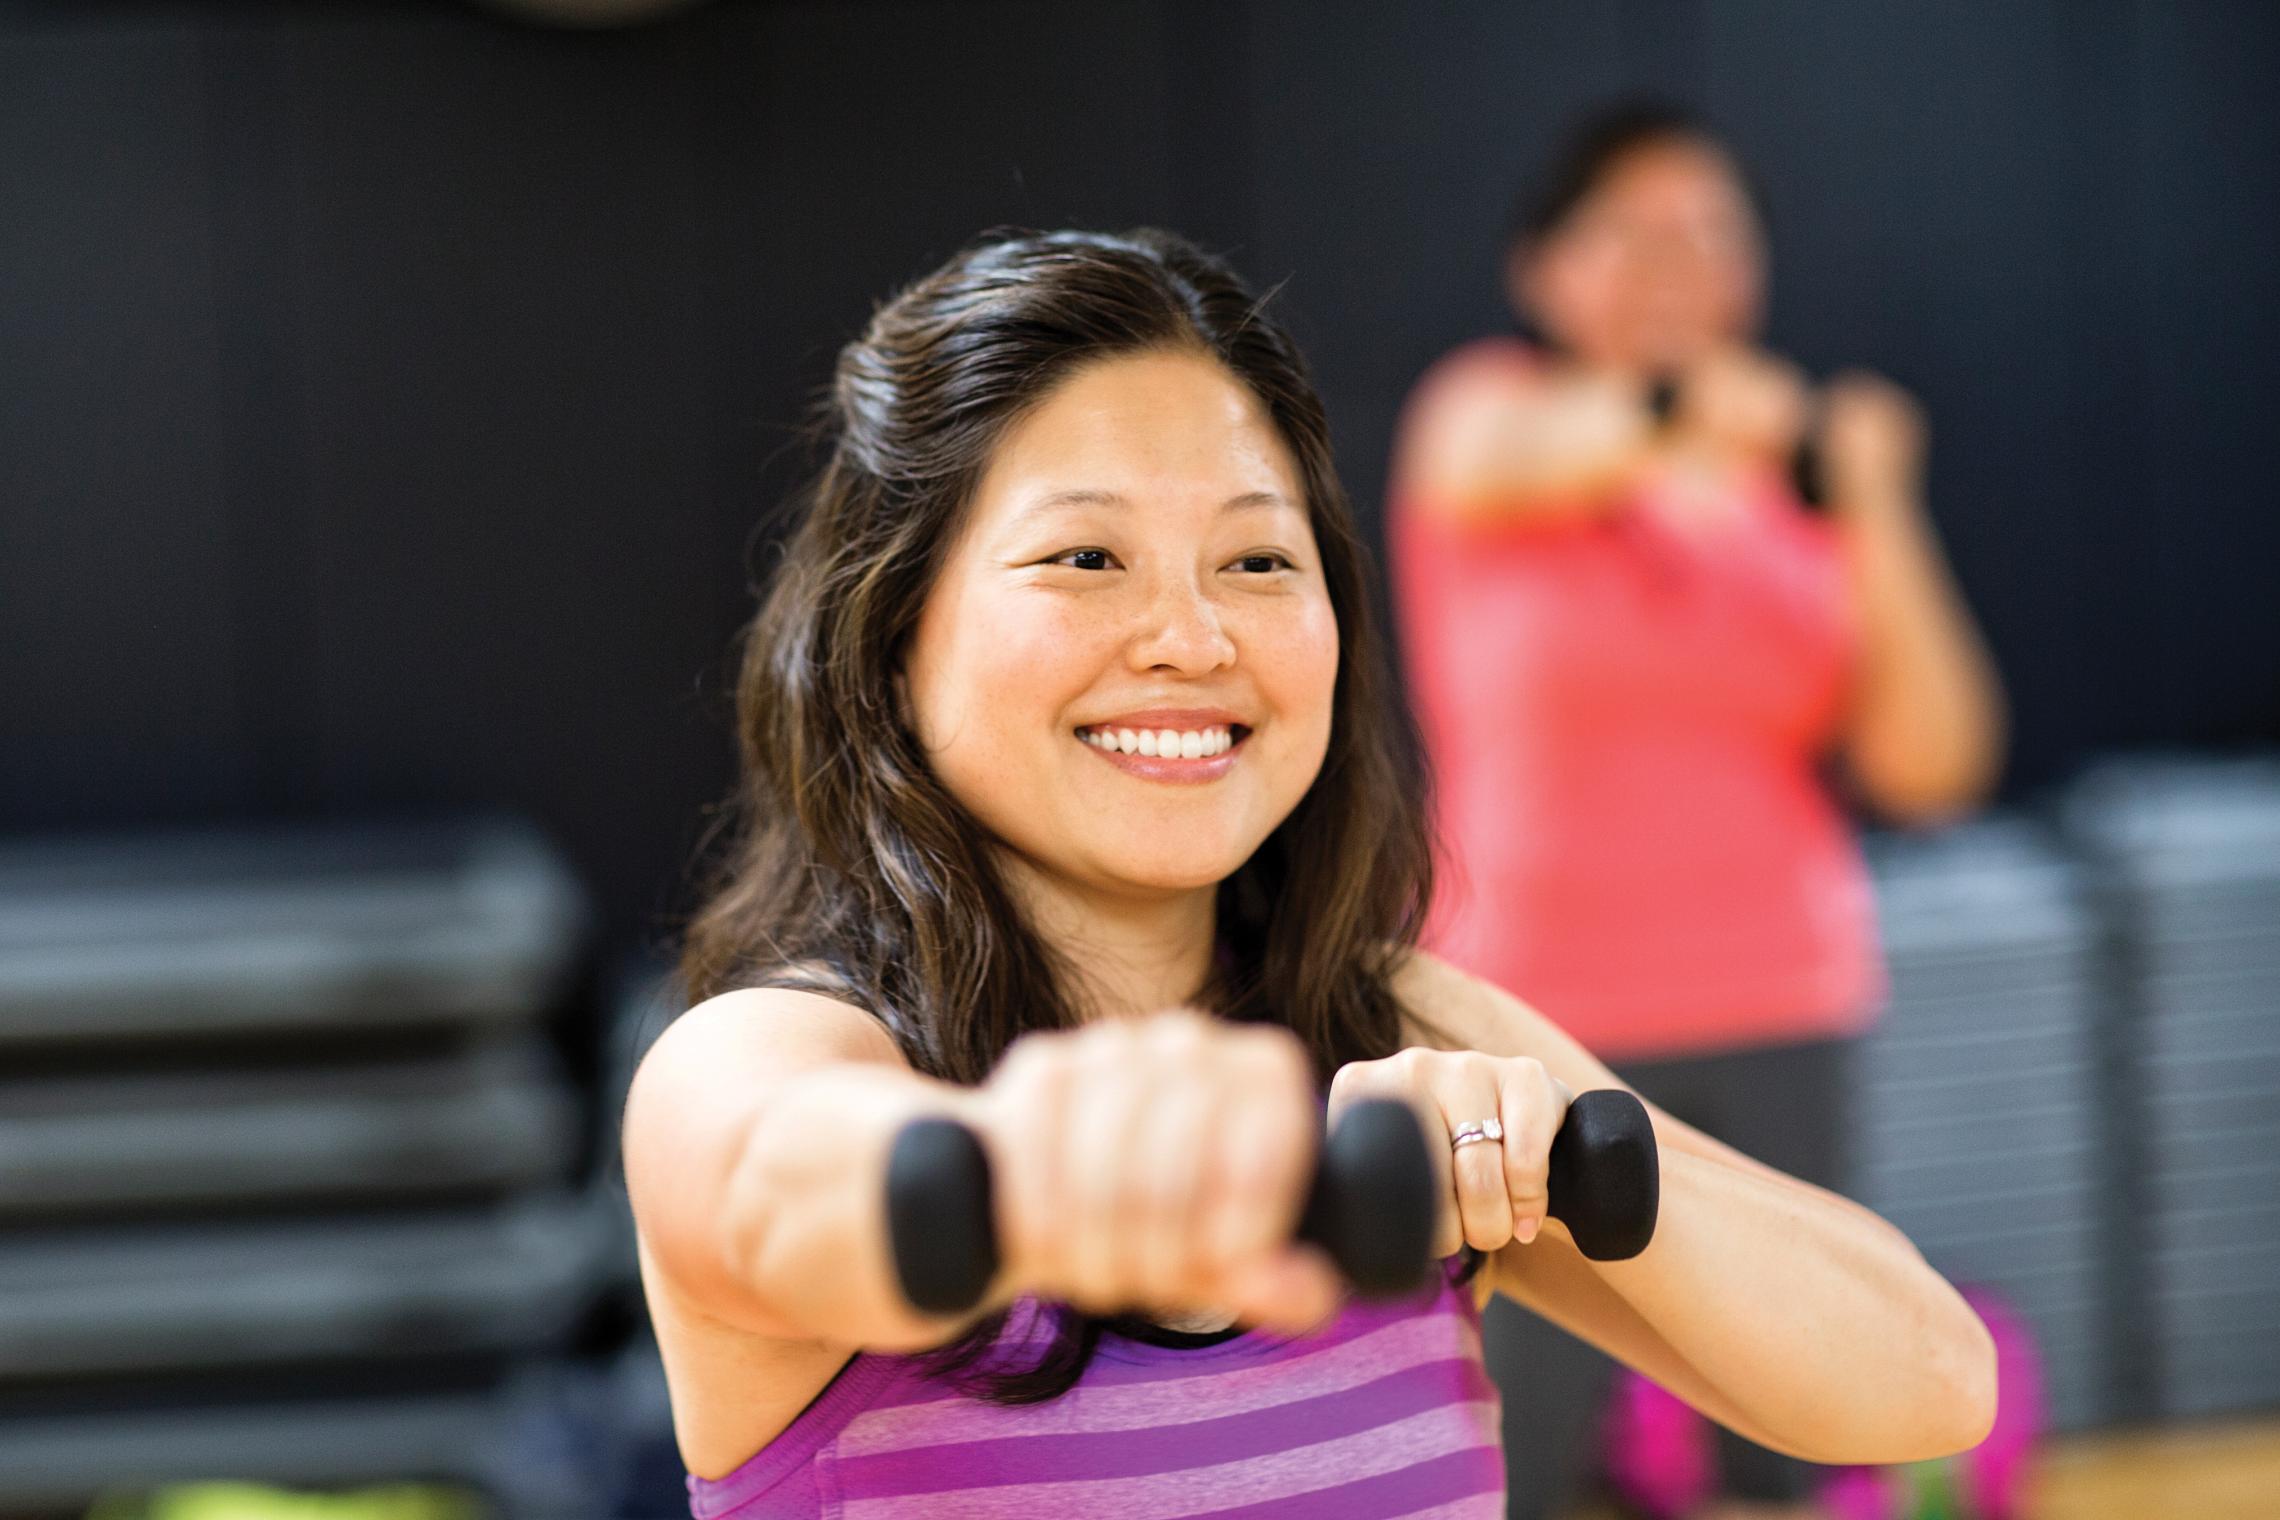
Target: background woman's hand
[
  {"x": 1743, "y": 401},
  {"x": 1872, "y": 442},
  {"x": 1491, "y": 1192},
  {"x": 1159, "y": 1163}
]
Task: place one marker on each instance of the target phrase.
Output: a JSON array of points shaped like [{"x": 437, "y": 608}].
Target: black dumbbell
[{"x": 1371, "y": 1205}]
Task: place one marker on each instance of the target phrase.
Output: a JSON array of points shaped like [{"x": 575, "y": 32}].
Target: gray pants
[{"x": 1789, "y": 1106}]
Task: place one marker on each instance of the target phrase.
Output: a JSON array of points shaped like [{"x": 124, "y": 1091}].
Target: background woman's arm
[
  {"x": 1491, "y": 442},
  {"x": 1925, "y": 736},
  {"x": 1793, "y": 1316}
]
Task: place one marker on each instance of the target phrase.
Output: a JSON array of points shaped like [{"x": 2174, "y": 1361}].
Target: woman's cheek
[{"x": 1300, "y": 675}]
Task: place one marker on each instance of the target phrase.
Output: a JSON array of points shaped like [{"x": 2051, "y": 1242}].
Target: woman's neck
[{"x": 1136, "y": 955}]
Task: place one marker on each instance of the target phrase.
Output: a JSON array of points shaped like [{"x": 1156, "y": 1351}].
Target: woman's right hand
[{"x": 1158, "y": 1163}]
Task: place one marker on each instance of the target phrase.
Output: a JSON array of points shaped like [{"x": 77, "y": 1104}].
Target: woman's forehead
[
  {"x": 1670, "y": 175},
  {"x": 1146, "y": 429}
]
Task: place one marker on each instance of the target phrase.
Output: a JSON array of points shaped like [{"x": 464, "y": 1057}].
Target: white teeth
[{"x": 1200, "y": 744}]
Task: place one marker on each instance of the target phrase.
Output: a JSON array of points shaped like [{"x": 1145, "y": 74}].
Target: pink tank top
[
  {"x": 1386, "y": 1410},
  {"x": 1625, "y": 719}
]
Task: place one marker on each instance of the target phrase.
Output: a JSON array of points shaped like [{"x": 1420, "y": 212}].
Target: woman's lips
[{"x": 1171, "y": 769}]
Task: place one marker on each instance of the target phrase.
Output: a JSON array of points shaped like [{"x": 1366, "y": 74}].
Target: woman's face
[
  {"x": 1662, "y": 260},
  {"x": 1137, "y": 560}
]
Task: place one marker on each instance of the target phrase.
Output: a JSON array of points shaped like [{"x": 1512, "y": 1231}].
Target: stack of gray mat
[
  {"x": 1981, "y": 1126},
  {"x": 287, "y": 1158},
  {"x": 2188, "y": 854}
]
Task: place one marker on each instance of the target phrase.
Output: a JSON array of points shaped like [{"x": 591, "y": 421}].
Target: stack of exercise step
[
  {"x": 1981, "y": 1131},
  {"x": 287, "y": 1156},
  {"x": 2188, "y": 854}
]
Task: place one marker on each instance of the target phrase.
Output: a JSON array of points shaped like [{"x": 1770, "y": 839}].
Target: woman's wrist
[{"x": 1887, "y": 546}]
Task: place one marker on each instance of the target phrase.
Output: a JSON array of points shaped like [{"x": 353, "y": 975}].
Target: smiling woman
[
  {"x": 1077, "y": 809},
  {"x": 1076, "y": 483}
]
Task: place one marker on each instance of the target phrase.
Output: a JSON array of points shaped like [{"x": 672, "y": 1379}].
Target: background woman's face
[
  {"x": 1662, "y": 260},
  {"x": 1139, "y": 545}
]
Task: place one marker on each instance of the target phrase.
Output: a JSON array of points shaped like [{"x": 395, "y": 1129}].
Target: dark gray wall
[{"x": 389, "y": 396}]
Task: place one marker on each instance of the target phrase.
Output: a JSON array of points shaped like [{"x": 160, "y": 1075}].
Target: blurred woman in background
[{"x": 1648, "y": 672}]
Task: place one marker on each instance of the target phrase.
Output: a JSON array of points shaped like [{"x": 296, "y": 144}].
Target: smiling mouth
[{"x": 1165, "y": 744}]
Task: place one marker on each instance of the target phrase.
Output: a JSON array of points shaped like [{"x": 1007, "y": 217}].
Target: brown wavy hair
[{"x": 848, "y": 868}]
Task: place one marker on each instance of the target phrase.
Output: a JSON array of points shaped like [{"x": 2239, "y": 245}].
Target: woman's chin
[{"x": 1189, "y": 871}]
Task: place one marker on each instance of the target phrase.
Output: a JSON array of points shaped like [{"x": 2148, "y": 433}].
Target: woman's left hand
[
  {"x": 1872, "y": 443},
  {"x": 1492, "y": 1192}
]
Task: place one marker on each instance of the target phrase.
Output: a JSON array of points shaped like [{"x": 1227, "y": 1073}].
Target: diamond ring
[{"x": 1467, "y": 1134}]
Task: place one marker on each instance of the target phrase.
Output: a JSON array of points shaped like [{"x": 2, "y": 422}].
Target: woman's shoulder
[
  {"x": 690, "y": 1105},
  {"x": 807, "y": 1014},
  {"x": 739, "y": 1375},
  {"x": 1449, "y": 1008},
  {"x": 1441, "y": 1005}
]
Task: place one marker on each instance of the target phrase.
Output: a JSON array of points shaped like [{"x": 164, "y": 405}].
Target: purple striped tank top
[{"x": 1384, "y": 1411}]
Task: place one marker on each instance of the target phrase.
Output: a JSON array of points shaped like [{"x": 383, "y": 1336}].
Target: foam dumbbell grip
[
  {"x": 1605, "y": 1181},
  {"x": 1370, "y": 1206}
]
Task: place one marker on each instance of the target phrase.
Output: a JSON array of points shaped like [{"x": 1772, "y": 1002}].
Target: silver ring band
[{"x": 1468, "y": 1134}]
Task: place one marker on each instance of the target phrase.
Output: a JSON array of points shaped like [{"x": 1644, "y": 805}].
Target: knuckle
[
  {"x": 1358, "y": 1077},
  {"x": 1023, "y": 1060},
  {"x": 1270, "y": 1043}
]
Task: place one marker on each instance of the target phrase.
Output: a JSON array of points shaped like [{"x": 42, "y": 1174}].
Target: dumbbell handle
[{"x": 1371, "y": 1204}]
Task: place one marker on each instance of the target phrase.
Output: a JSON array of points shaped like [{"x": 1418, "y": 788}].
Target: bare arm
[
  {"x": 1925, "y": 736},
  {"x": 1495, "y": 443},
  {"x": 1155, "y": 1161},
  {"x": 756, "y": 1140},
  {"x": 1788, "y": 1314}
]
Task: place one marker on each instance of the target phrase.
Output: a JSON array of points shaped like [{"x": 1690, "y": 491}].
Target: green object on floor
[
  {"x": 1932, "y": 1492},
  {"x": 255, "y": 1501}
]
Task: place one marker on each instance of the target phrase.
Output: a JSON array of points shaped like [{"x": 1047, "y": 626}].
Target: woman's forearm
[
  {"x": 1810, "y": 1315},
  {"x": 1561, "y": 449},
  {"x": 1926, "y": 734}
]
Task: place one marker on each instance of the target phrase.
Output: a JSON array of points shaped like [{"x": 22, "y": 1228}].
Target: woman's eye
[
  {"x": 1263, "y": 563},
  {"x": 1083, "y": 559}
]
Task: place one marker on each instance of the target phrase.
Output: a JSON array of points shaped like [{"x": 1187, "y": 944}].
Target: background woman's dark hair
[
  {"x": 851, "y": 870},
  {"x": 1591, "y": 151}
]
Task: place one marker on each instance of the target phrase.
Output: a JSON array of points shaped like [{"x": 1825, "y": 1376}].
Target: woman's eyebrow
[{"x": 1246, "y": 501}]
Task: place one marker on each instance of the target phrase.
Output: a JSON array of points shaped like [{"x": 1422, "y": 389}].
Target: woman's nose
[{"x": 1180, "y": 628}]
